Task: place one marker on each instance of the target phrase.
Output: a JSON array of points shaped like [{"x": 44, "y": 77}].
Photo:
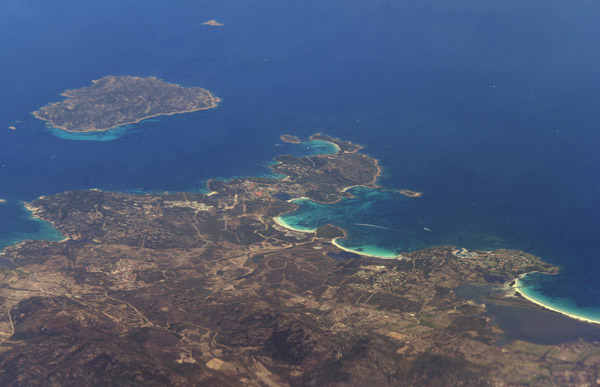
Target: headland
[{"x": 115, "y": 101}]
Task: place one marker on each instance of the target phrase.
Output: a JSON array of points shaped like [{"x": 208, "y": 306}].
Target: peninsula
[
  {"x": 191, "y": 289},
  {"x": 115, "y": 101}
]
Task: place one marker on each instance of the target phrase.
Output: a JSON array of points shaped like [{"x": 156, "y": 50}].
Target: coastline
[
  {"x": 336, "y": 244},
  {"x": 214, "y": 103},
  {"x": 336, "y": 146},
  {"x": 290, "y": 139},
  {"x": 374, "y": 182},
  {"x": 47, "y": 231},
  {"x": 105, "y": 135},
  {"x": 358, "y": 185},
  {"x": 517, "y": 288},
  {"x": 292, "y": 200},
  {"x": 282, "y": 223},
  {"x": 410, "y": 193},
  {"x": 34, "y": 210},
  {"x": 310, "y": 143}
]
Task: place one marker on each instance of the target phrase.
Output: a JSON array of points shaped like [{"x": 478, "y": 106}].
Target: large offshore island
[
  {"x": 114, "y": 101},
  {"x": 208, "y": 289}
]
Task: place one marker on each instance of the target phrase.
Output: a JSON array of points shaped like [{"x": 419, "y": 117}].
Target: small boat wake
[{"x": 375, "y": 226}]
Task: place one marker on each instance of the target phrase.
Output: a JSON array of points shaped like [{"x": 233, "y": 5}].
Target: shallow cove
[
  {"x": 17, "y": 224},
  {"x": 105, "y": 135},
  {"x": 383, "y": 223}
]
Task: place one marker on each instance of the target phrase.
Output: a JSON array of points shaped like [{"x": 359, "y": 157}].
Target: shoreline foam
[
  {"x": 334, "y": 241},
  {"x": 518, "y": 288}
]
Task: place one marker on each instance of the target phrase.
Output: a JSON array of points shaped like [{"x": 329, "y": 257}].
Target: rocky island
[
  {"x": 207, "y": 289},
  {"x": 290, "y": 139},
  {"x": 410, "y": 194},
  {"x": 115, "y": 101},
  {"x": 212, "y": 22}
]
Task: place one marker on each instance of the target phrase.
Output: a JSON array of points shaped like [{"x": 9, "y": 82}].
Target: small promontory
[{"x": 115, "y": 101}]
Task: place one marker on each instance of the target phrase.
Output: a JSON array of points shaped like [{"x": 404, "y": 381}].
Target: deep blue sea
[{"x": 488, "y": 107}]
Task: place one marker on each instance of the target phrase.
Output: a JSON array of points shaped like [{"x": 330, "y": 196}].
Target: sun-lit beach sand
[
  {"x": 354, "y": 186},
  {"x": 34, "y": 215},
  {"x": 519, "y": 288},
  {"x": 335, "y": 242},
  {"x": 369, "y": 254},
  {"x": 410, "y": 194}
]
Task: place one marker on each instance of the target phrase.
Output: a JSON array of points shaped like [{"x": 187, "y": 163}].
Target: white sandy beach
[{"x": 517, "y": 287}]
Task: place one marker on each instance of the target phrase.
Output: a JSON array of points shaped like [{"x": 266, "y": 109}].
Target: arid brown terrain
[
  {"x": 206, "y": 289},
  {"x": 116, "y": 101}
]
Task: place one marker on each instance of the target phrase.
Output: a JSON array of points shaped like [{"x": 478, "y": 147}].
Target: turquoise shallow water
[
  {"x": 17, "y": 224},
  {"x": 386, "y": 223}
]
